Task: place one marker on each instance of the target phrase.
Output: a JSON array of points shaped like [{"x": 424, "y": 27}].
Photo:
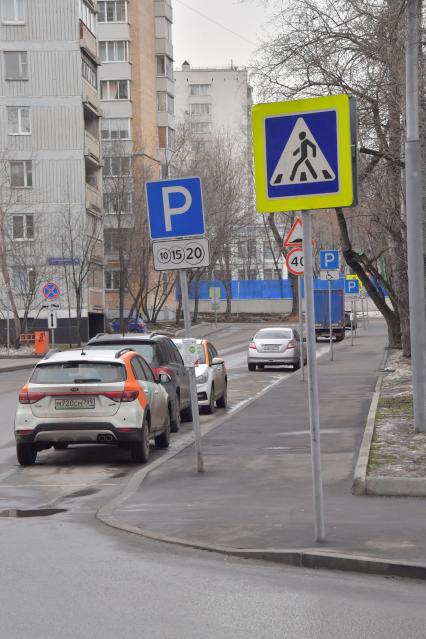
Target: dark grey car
[{"x": 163, "y": 356}]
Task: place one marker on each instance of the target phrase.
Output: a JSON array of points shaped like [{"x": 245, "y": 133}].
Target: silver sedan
[{"x": 277, "y": 346}]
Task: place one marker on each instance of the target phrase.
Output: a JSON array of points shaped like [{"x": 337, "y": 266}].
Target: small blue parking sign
[
  {"x": 175, "y": 208},
  {"x": 352, "y": 287},
  {"x": 329, "y": 260}
]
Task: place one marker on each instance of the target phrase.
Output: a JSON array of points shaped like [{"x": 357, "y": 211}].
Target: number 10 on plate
[{"x": 181, "y": 254}]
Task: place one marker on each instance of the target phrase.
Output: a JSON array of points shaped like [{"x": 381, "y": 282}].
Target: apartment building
[
  {"x": 50, "y": 162},
  {"x": 137, "y": 130},
  {"x": 219, "y": 99}
]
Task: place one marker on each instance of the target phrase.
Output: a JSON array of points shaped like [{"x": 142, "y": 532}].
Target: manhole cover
[{"x": 35, "y": 512}]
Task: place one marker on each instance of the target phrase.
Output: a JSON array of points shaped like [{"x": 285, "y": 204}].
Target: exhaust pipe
[
  {"x": 101, "y": 438},
  {"x": 108, "y": 438}
]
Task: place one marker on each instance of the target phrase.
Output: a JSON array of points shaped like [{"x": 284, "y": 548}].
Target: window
[
  {"x": 200, "y": 127},
  {"x": 88, "y": 16},
  {"x": 164, "y": 66},
  {"x": 23, "y": 227},
  {"x": 166, "y": 102},
  {"x": 115, "y": 128},
  {"x": 112, "y": 280},
  {"x": 200, "y": 108},
  {"x": 166, "y": 137},
  {"x": 89, "y": 71},
  {"x": 267, "y": 251},
  {"x": 16, "y": 65},
  {"x": 113, "y": 238},
  {"x": 115, "y": 90},
  {"x": 18, "y": 119},
  {"x": 78, "y": 372},
  {"x": 114, "y": 51},
  {"x": 13, "y": 11},
  {"x": 117, "y": 166},
  {"x": 24, "y": 279},
  {"x": 112, "y": 11},
  {"x": 21, "y": 174},
  {"x": 270, "y": 274},
  {"x": 138, "y": 371},
  {"x": 200, "y": 89},
  {"x": 117, "y": 203},
  {"x": 163, "y": 28}
]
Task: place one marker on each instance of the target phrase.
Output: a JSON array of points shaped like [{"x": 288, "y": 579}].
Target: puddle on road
[{"x": 35, "y": 512}]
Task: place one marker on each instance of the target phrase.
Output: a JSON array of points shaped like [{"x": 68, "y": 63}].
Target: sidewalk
[
  {"x": 10, "y": 364},
  {"x": 256, "y": 492}
]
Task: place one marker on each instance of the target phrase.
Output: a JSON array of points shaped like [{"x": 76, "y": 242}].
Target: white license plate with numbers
[{"x": 75, "y": 403}]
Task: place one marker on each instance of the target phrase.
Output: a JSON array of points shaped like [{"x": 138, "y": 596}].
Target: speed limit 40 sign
[
  {"x": 294, "y": 261},
  {"x": 181, "y": 254}
]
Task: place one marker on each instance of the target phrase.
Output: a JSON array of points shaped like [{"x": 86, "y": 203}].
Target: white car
[
  {"x": 275, "y": 346},
  {"x": 92, "y": 397},
  {"x": 211, "y": 376}
]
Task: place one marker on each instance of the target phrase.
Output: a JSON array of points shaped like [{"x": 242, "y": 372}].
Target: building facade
[{"x": 50, "y": 182}]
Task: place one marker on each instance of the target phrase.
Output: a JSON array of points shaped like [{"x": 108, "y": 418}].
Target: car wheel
[
  {"x": 60, "y": 446},
  {"x": 186, "y": 414},
  {"x": 140, "y": 449},
  {"x": 251, "y": 367},
  {"x": 296, "y": 366},
  {"x": 175, "y": 423},
  {"x": 223, "y": 400},
  {"x": 26, "y": 454},
  {"x": 210, "y": 407},
  {"x": 163, "y": 440}
]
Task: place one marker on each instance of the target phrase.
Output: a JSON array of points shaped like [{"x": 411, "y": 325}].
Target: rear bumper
[
  {"x": 273, "y": 361},
  {"x": 78, "y": 433}
]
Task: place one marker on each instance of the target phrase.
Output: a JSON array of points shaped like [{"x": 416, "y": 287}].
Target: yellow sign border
[{"x": 345, "y": 196}]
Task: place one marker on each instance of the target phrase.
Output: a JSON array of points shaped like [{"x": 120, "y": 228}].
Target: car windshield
[
  {"x": 146, "y": 350},
  {"x": 78, "y": 373},
  {"x": 200, "y": 351},
  {"x": 273, "y": 333}
]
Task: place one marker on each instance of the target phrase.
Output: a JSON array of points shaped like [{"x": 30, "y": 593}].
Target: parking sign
[{"x": 175, "y": 208}]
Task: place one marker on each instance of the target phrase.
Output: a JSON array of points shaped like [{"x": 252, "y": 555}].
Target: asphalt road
[{"x": 66, "y": 575}]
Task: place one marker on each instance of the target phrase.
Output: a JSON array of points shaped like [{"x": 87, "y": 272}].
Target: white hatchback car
[
  {"x": 211, "y": 376},
  {"x": 92, "y": 397}
]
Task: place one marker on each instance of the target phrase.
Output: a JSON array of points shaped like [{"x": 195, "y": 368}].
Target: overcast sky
[{"x": 199, "y": 39}]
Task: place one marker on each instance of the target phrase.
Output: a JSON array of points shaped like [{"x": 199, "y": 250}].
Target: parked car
[
  {"x": 92, "y": 397},
  {"x": 211, "y": 376},
  {"x": 277, "y": 346},
  {"x": 135, "y": 325},
  {"x": 163, "y": 356}
]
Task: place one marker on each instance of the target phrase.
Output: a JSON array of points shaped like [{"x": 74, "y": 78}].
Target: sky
[{"x": 199, "y": 39}]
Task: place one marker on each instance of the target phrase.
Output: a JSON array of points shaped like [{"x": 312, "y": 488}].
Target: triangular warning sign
[
  {"x": 295, "y": 235},
  {"x": 302, "y": 160}
]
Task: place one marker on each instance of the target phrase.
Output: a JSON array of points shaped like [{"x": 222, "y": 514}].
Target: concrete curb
[
  {"x": 18, "y": 367},
  {"x": 396, "y": 486},
  {"x": 360, "y": 474}
]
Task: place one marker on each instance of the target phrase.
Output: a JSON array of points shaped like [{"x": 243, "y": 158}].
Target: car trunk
[{"x": 66, "y": 402}]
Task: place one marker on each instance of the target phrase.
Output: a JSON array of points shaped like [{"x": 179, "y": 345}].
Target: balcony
[
  {"x": 163, "y": 8},
  {"x": 93, "y": 196},
  {"x": 92, "y": 149},
  {"x": 88, "y": 42}
]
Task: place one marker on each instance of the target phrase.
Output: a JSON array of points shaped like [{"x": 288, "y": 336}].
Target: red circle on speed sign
[{"x": 294, "y": 261}]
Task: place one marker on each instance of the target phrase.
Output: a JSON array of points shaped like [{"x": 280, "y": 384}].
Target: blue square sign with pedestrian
[
  {"x": 175, "y": 208},
  {"x": 302, "y": 154}
]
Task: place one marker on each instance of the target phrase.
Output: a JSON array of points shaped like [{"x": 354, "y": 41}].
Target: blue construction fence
[{"x": 258, "y": 289}]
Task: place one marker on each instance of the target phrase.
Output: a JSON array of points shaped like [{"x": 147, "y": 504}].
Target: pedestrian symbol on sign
[{"x": 311, "y": 164}]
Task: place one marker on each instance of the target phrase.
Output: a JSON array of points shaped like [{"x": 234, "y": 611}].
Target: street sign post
[
  {"x": 330, "y": 267},
  {"x": 294, "y": 260},
  {"x": 329, "y": 260},
  {"x": 51, "y": 291},
  {"x": 176, "y": 222},
  {"x": 295, "y": 236},
  {"x": 351, "y": 287},
  {"x": 328, "y": 276},
  {"x": 302, "y": 358},
  {"x": 305, "y": 154}
]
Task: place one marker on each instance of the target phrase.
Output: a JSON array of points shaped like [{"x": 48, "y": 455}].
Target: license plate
[
  {"x": 271, "y": 347},
  {"x": 75, "y": 403}
]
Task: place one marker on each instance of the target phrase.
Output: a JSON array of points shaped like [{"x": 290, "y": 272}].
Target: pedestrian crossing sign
[{"x": 305, "y": 154}]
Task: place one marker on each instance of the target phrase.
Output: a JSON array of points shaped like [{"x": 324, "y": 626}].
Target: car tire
[
  {"x": 223, "y": 399},
  {"x": 175, "y": 423},
  {"x": 60, "y": 446},
  {"x": 296, "y": 366},
  {"x": 163, "y": 440},
  {"x": 251, "y": 367},
  {"x": 186, "y": 414},
  {"x": 26, "y": 454},
  {"x": 210, "y": 407},
  {"x": 140, "y": 450}
]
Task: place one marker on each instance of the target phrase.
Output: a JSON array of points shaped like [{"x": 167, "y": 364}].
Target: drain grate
[{"x": 35, "y": 512}]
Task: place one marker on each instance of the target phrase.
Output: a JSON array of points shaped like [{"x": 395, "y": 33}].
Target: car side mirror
[
  {"x": 164, "y": 378},
  {"x": 217, "y": 361}
]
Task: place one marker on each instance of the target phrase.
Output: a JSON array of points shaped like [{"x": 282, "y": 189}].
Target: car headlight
[{"x": 202, "y": 379}]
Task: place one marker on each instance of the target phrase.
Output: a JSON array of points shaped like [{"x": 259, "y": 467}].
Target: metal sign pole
[
  {"x": 8, "y": 332},
  {"x": 191, "y": 370},
  {"x": 330, "y": 321},
  {"x": 302, "y": 359},
  {"x": 352, "y": 322},
  {"x": 314, "y": 420},
  {"x": 362, "y": 313}
]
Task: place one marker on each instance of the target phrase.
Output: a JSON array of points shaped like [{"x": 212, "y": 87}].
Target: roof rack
[
  {"x": 51, "y": 352},
  {"x": 121, "y": 352}
]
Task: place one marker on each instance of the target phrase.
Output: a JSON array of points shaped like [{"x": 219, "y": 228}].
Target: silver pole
[
  {"x": 314, "y": 421},
  {"x": 330, "y": 321},
  {"x": 8, "y": 332},
  {"x": 352, "y": 322},
  {"x": 302, "y": 359},
  {"x": 413, "y": 195},
  {"x": 362, "y": 312},
  {"x": 191, "y": 370}
]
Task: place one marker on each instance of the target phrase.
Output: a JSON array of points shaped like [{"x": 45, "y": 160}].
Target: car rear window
[
  {"x": 273, "y": 333},
  {"x": 78, "y": 373},
  {"x": 146, "y": 350}
]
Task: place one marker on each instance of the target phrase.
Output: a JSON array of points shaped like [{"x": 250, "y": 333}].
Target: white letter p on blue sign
[{"x": 175, "y": 208}]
